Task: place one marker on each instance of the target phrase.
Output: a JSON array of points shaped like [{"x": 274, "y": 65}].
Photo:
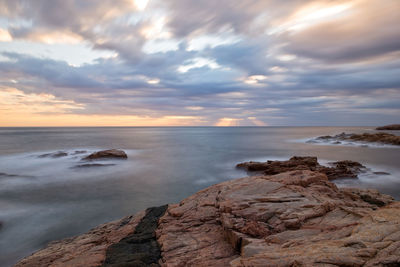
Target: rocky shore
[
  {"x": 365, "y": 138},
  {"x": 283, "y": 216},
  {"x": 391, "y": 127}
]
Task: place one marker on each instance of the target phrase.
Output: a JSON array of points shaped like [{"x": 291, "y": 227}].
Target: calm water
[{"x": 45, "y": 198}]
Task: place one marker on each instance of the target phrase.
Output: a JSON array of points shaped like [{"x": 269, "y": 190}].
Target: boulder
[
  {"x": 339, "y": 169},
  {"x": 106, "y": 154}
]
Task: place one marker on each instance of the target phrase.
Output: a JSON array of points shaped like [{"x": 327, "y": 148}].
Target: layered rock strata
[{"x": 296, "y": 218}]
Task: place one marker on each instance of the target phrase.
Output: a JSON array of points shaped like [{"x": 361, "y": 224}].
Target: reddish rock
[
  {"x": 87, "y": 250},
  {"x": 104, "y": 154},
  {"x": 296, "y": 218},
  {"x": 339, "y": 169}
]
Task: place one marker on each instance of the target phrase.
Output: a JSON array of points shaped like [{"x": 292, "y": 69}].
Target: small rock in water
[
  {"x": 111, "y": 153},
  {"x": 93, "y": 165},
  {"x": 382, "y": 173},
  {"x": 79, "y": 152},
  {"x": 58, "y": 154}
]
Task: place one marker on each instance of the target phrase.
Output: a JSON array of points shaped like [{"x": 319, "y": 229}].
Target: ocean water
[{"x": 45, "y": 198}]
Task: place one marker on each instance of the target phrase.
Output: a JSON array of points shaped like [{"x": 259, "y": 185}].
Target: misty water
[{"x": 45, "y": 198}]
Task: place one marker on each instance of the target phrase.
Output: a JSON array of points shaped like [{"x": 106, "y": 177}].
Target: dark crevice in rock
[{"x": 141, "y": 247}]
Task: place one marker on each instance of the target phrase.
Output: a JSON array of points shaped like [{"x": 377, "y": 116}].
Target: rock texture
[
  {"x": 85, "y": 250},
  {"x": 295, "y": 218},
  {"x": 391, "y": 127},
  {"x": 339, "y": 169},
  {"x": 383, "y": 138},
  {"x": 111, "y": 153},
  {"x": 141, "y": 247}
]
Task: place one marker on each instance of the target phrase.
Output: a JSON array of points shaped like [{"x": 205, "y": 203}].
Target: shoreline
[{"x": 228, "y": 224}]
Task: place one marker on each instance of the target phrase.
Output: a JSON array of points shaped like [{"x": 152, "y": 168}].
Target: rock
[
  {"x": 391, "y": 127},
  {"x": 87, "y": 250},
  {"x": 3, "y": 174},
  {"x": 383, "y": 138},
  {"x": 296, "y": 218},
  {"x": 111, "y": 153},
  {"x": 91, "y": 165},
  {"x": 58, "y": 154},
  {"x": 339, "y": 169},
  {"x": 324, "y": 137},
  {"x": 9, "y": 175},
  {"x": 79, "y": 152},
  {"x": 141, "y": 247},
  {"x": 382, "y": 173}
]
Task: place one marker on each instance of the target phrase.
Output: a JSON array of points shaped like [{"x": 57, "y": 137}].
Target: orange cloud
[{"x": 21, "y": 109}]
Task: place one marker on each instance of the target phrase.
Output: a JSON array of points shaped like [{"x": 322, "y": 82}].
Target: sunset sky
[{"x": 199, "y": 62}]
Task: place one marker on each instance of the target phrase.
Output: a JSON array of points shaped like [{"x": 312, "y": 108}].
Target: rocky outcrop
[
  {"x": 391, "y": 127},
  {"x": 296, "y": 218},
  {"x": 339, "y": 169},
  {"x": 85, "y": 250},
  {"x": 382, "y": 138},
  {"x": 106, "y": 154}
]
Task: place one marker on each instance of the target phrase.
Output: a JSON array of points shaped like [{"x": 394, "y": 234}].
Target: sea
[{"x": 45, "y": 194}]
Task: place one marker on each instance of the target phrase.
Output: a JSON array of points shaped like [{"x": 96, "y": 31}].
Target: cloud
[{"x": 206, "y": 62}]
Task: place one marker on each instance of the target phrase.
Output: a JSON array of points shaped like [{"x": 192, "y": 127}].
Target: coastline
[
  {"x": 294, "y": 217},
  {"x": 154, "y": 173}
]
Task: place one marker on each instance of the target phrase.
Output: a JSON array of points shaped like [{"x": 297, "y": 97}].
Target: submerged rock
[
  {"x": 339, "y": 169},
  {"x": 382, "y": 173},
  {"x": 111, "y": 153},
  {"x": 58, "y": 154},
  {"x": 3, "y": 174},
  {"x": 79, "y": 152},
  {"x": 91, "y": 165},
  {"x": 296, "y": 218},
  {"x": 391, "y": 127}
]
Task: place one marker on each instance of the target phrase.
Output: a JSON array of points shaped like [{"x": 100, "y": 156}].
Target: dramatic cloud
[{"x": 180, "y": 62}]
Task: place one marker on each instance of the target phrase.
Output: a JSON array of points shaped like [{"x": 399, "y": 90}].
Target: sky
[{"x": 199, "y": 63}]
